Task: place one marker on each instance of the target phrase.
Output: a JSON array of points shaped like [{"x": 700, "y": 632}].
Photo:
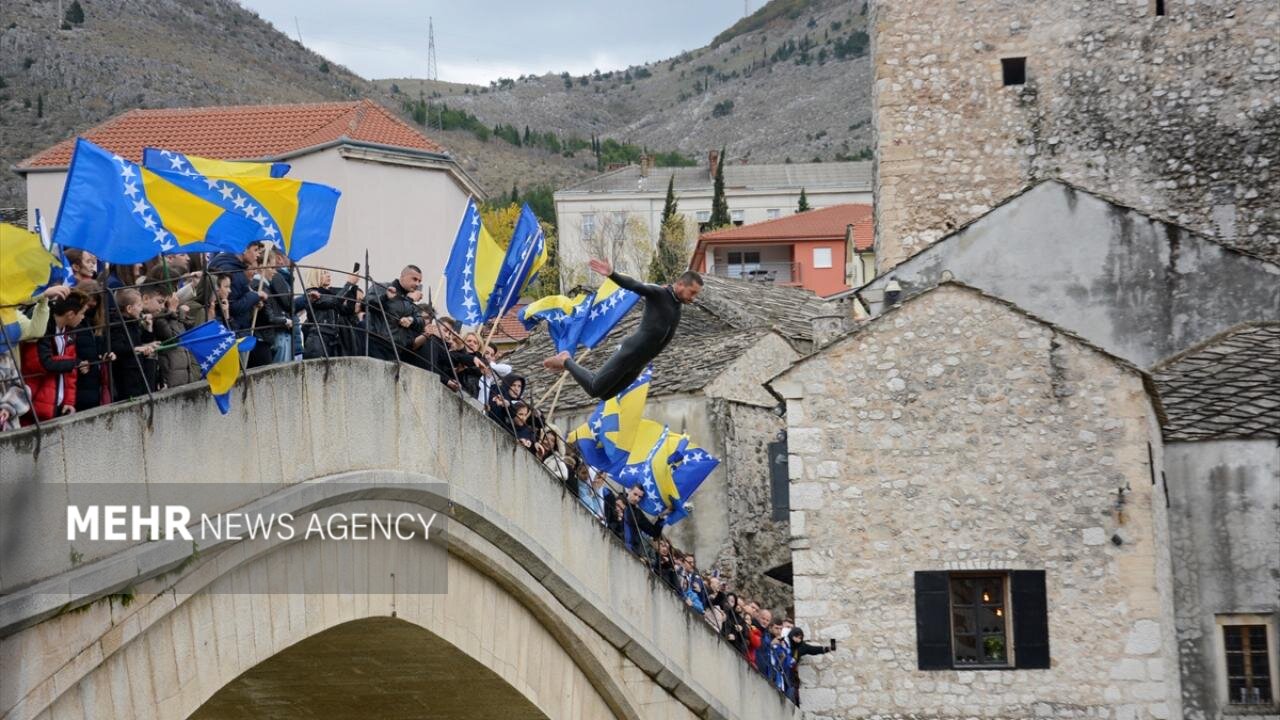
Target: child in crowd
[
  {"x": 50, "y": 363},
  {"x": 133, "y": 342}
]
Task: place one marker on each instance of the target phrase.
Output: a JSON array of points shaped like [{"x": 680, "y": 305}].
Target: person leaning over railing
[
  {"x": 392, "y": 317},
  {"x": 133, "y": 343},
  {"x": 49, "y": 364},
  {"x": 93, "y": 385},
  {"x": 328, "y": 309},
  {"x": 177, "y": 366}
]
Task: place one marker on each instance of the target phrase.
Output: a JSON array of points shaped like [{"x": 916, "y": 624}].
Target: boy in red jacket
[{"x": 49, "y": 363}]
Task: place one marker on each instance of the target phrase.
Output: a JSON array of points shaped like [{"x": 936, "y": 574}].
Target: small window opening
[
  {"x": 1158, "y": 7},
  {"x": 1014, "y": 70}
]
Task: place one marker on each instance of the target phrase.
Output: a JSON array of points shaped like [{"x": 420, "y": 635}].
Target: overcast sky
[{"x": 477, "y": 42}]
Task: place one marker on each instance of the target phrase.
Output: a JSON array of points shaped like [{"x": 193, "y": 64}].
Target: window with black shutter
[
  {"x": 986, "y": 619},
  {"x": 779, "y": 479}
]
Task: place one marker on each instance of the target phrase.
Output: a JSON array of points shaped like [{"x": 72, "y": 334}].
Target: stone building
[
  {"x": 1139, "y": 287},
  {"x": 1222, "y": 464},
  {"x": 709, "y": 383},
  {"x": 978, "y": 515},
  {"x": 1171, "y": 107}
]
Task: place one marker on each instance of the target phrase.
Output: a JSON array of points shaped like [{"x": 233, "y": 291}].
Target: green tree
[
  {"x": 670, "y": 207},
  {"x": 515, "y": 195},
  {"x": 672, "y": 256},
  {"x": 74, "y": 14},
  {"x": 719, "y": 204},
  {"x": 804, "y": 202},
  {"x": 324, "y": 66},
  {"x": 40, "y": 106}
]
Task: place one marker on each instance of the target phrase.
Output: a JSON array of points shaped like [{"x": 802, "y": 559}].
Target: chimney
[
  {"x": 713, "y": 159},
  {"x": 645, "y": 163}
]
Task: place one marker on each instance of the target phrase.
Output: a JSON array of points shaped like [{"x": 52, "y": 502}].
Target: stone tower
[{"x": 1168, "y": 106}]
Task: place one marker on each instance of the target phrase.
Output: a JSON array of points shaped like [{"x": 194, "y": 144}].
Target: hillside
[
  {"x": 792, "y": 80},
  {"x": 789, "y": 81},
  {"x": 174, "y": 53}
]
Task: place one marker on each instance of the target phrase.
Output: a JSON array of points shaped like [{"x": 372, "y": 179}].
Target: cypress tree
[
  {"x": 74, "y": 14},
  {"x": 804, "y": 202},
  {"x": 719, "y": 205},
  {"x": 515, "y": 195},
  {"x": 670, "y": 207}
]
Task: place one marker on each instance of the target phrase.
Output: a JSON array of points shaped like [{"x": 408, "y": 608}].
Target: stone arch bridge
[{"x": 546, "y": 616}]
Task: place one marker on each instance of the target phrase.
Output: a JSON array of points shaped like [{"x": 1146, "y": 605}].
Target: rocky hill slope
[{"x": 790, "y": 81}]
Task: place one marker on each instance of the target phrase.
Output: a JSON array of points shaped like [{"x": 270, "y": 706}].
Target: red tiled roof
[
  {"x": 510, "y": 329},
  {"x": 825, "y": 224},
  {"x": 243, "y": 132}
]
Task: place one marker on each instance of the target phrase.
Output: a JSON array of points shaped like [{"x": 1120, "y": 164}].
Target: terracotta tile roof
[
  {"x": 510, "y": 329},
  {"x": 244, "y": 132},
  {"x": 824, "y": 224},
  {"x": 1227, "y": 387}
]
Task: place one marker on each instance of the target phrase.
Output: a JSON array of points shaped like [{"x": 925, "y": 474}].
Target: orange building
[{"x": 825, "y": 251}]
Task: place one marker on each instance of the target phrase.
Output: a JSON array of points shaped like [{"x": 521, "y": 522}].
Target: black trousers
[{"x": 612, "y": 378}]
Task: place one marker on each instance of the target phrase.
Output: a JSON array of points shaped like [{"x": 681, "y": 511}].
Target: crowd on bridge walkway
[{"x": 106, "y": 335}]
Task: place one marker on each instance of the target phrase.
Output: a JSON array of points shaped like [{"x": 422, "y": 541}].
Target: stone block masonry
[
  {"x": 1176, "y": 115},
  {"x": 956, "y": 433}
]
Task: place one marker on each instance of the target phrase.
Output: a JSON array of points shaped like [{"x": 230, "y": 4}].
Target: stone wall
[
  {"x": 757, "y": 542},
  {"x": 957, "y": 433},
  {"x": 1225, "y": 532},
  {"x": 1176, "y": 116}
]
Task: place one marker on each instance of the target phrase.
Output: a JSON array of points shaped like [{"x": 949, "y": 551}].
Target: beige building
[
  {"x": 978, "y": 515},
  {"x": 619, "y": 214},
  {"x": 1169, "y": 106},
  {"x": 402, "y": 193}
]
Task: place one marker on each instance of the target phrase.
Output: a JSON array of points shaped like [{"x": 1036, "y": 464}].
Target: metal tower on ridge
[{"x": 431, "y": 50}]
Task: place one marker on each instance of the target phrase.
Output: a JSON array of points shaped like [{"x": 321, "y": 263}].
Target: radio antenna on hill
[
  {"x": 297, "y": 26},
  {"x": 746, "y": 8},
  {"x": 433, "y": 73}
]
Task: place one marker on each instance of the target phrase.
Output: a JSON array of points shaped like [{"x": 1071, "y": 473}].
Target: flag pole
[{"x": 514, "y": 286}]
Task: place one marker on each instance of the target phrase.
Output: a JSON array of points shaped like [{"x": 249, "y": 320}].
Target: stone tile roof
[
  {"x": 245, "y": 132},
  {"x": 824, "y": 224},
  {"x": 788, "y": 176},
  {"x": 1227, "y": 387},
  {"x": 787, "y": 310}
]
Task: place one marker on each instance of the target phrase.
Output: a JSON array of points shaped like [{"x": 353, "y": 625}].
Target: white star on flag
[
  {"x": 131, "y": 189},
  {"x": 149, "y": 222},
  {"x": 225, "y": 191},
  {"x": 238, "y": 202},
  {"x": 175, "y": 163},
  {"x": 117, "y": 158},
  {"x": 141, "y": 206},
  {"x": 127, "y": 172},
  {"x": 271, "y": 232},
  {"x": 250, "y": 210}
]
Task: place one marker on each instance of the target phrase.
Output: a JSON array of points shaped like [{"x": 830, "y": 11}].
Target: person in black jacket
[
  {"x": 635, "y": 522},
  {"x": 657, "y": 327},
  {"x": 326, "y": 308},
  {"x": 133, "y": 343},
  {"x": 392, "y": 316},
  {"x": 800, "y": 648}
]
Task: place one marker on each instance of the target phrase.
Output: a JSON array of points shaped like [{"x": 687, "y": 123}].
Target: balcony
[{"x": 782, "y": 273}]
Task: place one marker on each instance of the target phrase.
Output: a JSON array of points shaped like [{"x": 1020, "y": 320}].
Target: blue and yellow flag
[
  {"x": 218, "y": 352},
  {"x": 473, "y": 268},
  {"x": 25, "y": 265},
  {"x": 170, "y": 161},
  {"x": 616, "y": 430},
  {"x": 61, "y": 275},
  {"x": 296, "y": 216},
  {"x": 671, "y": 470},
  {"x": 125, "y": 213},
  {"x": 525, "y": 256},
  {"x": 564, "y": 317},
  {"x": 608, "y": 305}
]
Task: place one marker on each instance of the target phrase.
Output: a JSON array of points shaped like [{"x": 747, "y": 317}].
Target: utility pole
[
  {"x": 746, "y": 8},
  {"x": 298, "y": 27},
  {"x": 432, "y": 70}
]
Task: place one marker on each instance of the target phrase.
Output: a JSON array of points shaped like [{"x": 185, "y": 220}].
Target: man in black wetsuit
[{"x": 657, "y": 327}]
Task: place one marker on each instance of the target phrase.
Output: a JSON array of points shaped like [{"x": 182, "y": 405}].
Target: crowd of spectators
[{"x": 111, "y": 338}]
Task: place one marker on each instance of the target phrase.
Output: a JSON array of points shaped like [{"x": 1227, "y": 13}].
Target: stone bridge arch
[{"x": 595, "y": 636}]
